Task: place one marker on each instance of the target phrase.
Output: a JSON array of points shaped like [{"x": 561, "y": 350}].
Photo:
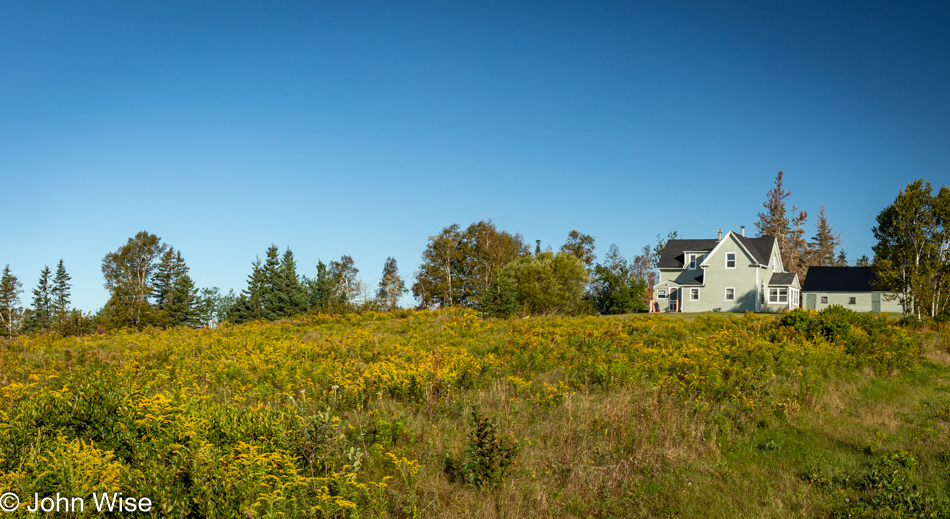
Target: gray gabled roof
[
  {"x": 673, "y": 256},
  {"x": 838, "y": 279},
  {"x": 782, "y": 278},
  {"x": 761, "y": 248}
]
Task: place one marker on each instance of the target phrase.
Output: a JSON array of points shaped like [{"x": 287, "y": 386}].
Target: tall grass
[{"x": 371, "y": 416}]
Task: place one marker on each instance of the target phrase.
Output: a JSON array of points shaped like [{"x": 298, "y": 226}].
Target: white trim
[
  {"x": 691, "y": 292},
  {"x": 692, "y": 260},
  {"x": 778, "y": 295},
  {"x": 658, "y": 295},
  {"x": 778, "y": 254},
  {"x": 716, "y": 248},
  {"x": 757, "y": 290},
  {"x": 726, "y": 294},
  {"x": 735, "y": 260}
]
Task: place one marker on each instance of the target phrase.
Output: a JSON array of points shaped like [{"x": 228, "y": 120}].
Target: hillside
[{"x": 443, "y": 414}]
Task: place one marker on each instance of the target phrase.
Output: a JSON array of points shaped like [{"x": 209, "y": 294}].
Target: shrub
[{"x": 488, "y": 457}]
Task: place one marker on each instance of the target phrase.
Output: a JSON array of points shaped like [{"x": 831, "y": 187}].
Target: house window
[
  {"x": 730, "y": 260},
  {"x": 730, "y": 294},
  {"x": 661, "y": 293},
  {"x": 852, "y": 300},
  {"x": 694, "y": 294},
  {"x": 692, "y": 261},
  {"x": 778, "y": 295},
  {"x": 824, "y": 300}
]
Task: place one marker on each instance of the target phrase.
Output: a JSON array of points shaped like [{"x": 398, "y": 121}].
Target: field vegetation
[{"x": 445, "y": 414}]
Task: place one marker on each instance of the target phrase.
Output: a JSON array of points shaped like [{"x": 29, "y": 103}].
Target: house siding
[
  {"x": 863, "y": 301},
  {"x": 748, "y": 278},
  {"x": 717, "y": 277}
]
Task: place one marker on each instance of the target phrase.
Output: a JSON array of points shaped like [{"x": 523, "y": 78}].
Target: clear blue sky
[{"x": 363, "y": 128}]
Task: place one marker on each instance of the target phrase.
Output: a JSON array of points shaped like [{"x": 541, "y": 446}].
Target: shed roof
[
  {"x": 838, "y": 279},
  {"x": 782, "y": 278}
]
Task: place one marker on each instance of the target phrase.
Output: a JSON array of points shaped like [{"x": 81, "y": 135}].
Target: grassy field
[{"x": 443, "y": 414}]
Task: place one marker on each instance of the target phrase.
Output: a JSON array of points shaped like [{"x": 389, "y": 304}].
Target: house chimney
[
  {"x": 742, "y": 230},
  {"x": 720, "y": 235}
]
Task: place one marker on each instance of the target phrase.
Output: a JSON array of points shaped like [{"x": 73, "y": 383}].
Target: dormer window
[
  {"x": 692, "y": 261},
  {"x": 730, "y": 260}
]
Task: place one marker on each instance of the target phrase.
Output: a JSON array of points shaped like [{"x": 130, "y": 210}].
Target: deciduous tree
[
  {"x": 458, "y": 267},
  {"x": 391, "y": 286},
  {"x": 128, "y": 274},
  {"x": 10, "y": 311},
  {"x": 546, "y": 283},
  {"x": 616, "y": 288},
  {"x": 912, "y": 256},
  {"x": 582, "y": 246}
]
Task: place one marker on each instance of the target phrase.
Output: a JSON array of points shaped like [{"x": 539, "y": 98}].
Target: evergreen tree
[
  {"x": 10, "y": 311},
  {"x": 250, "y": 305},
  {"x": 291, "y": 296},
  {"x": 391, "y": 286},
  {"x": 826, "y": 242},
  {"x": 841, "y": 260},
  {"x": 180, "y": 304},
  {"x": 171, "y": 267},
  {"x": 501, "y": 300},
  {"x": 40, "y": 316},
  {"x": 863, "y": 261},
  {"x": 774, "y": 221},
  {"x": 797, "y": 256},
  {"x": 60, "y": 292},
  {"x": 788, "y": 232},
  {"x": 270, "y": 275},
  {"x": 322, "y": 291}
]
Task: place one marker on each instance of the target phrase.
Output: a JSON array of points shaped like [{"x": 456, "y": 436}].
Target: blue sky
[{"x": 363, "y": 128}]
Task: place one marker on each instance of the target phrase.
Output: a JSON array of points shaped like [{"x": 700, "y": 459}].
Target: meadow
[{"x": 445, "y": 414}]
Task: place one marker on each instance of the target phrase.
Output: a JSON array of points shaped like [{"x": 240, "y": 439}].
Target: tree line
[
  {"x": 479, "y": 267},
  {"x": 787, "y": 226}
]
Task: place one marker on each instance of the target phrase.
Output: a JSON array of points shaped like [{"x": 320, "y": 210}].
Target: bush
[{"x": 488, "y": 458}]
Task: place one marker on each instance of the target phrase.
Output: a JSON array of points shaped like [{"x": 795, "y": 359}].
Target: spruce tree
[
  {"x": 322, "y": 290},
  {"x": 292, "y": 295},
  {"x": 181, "y": 303},
  {"x": 41, "y": 314},
  {"x": 60, "y": 292},
  {"x": 10, "y": 312},
  {"x": 774, "y": 222},
  {"x": 788, "y": 232},
  {"x": 171, "y": 268},
  {"x": 826, "y": 242},
  {"x": 250, "y": 306}
]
